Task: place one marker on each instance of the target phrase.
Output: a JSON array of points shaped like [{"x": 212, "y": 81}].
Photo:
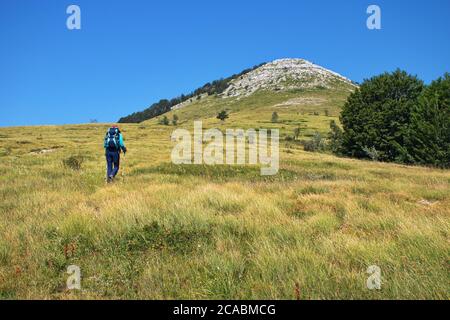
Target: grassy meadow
[{"x": 163, "y": 231}]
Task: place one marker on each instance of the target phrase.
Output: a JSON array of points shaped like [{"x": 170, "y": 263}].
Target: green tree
[
  {"x": 335, "y": 138},
  {"x": 428, "y": 140},
  {"x": 222, "y": 115},
  {"x": 274, "y": 117},
  {"x": 377, "y": 116},
  {"x": 164, "y": 121},
  {"x": 297, "y": 132},
  {"x": 175, "y": 120}
]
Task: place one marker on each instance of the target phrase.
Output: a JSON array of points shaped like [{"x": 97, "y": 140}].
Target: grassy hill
[
  {"x": 167, "y": 231},
  {"x": 305, "y": 108}
]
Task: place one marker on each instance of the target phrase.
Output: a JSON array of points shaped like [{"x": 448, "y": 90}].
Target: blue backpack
[{"x": 112, "y": 139}]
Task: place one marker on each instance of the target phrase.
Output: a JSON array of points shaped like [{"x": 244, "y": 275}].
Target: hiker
[{"x": 113, "y": 144}]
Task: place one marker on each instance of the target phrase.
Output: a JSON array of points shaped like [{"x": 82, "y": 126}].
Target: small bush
[
  {"x": 312, "y": 190},
  {"x": 73, "y": 162},
  {"x": 175, "y": 120},
  {"x": 222, "y": 115},
  {"x": 289, "y": 138},
  {"x": 297, "y": 132},
  {"x": 317, "y": 143},
  {"x": 274, "y": 117},
  {"x": 164, "y": 121},
  {"x": 340, "y": 212},
  {"x": 5, "y": 152},
  {"x": 372, "y": 153}
]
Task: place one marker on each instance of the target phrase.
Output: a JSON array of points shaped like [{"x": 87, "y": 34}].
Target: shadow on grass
[
  {"x": 217, "y": 172},
  {"x": 176, "y": 238}
]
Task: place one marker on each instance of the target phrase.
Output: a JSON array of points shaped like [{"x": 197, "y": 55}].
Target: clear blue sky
[{"x": 129, "y": 54}]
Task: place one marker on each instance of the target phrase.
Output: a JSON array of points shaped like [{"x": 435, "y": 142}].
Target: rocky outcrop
[{"x": 285, "y": 74}]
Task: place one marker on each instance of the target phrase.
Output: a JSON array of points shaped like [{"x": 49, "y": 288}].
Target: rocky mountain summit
[{"x": 284, "y": 74}]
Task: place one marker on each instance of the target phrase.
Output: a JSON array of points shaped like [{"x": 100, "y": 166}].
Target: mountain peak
[
  {"x": 278, "y": 75},
  {"x": 284, "y": 74}
]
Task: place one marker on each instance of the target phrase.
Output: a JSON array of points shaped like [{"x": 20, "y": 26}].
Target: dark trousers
[{"x": 113, "y": 161}]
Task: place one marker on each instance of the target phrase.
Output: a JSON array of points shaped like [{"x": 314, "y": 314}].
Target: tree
[
  {"x": 428, "y": 140},
  {"x": 222, "y": 115},
  {"x": 377, "y": 116},
  {"x": 335, "y": 138},
  {"x": 297, "y": 132},
  {"x": 175, "y": 120},
  {"x": 274, "y": 117},
  {"x": 164, "y": 121}
]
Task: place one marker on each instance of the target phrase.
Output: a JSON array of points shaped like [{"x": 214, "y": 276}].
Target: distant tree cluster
[
  {"x": 395, "y": 117},
  {"x": 164, "y": 105},
  {"x": 165, "y": 120}
]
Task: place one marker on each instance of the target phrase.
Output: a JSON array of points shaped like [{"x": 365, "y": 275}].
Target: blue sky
[{"x": 129, "y": 54}]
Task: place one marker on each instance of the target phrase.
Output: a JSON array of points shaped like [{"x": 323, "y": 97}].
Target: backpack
[{"x": 112, "y": 139}]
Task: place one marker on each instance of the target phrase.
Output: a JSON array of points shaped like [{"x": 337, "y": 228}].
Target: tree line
[{"x": 165, "y": 105}]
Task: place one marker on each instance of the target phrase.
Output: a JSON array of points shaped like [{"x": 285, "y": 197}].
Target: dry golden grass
[{"x": 160, "y": 232}]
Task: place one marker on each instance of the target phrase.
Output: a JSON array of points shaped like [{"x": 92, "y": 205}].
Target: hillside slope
[
  {"x": 164, "y": 105},
  {"x": 213, "y": 232},
  {"x": 279, "y": 76},
  {"x": 301, "y": 93}
]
